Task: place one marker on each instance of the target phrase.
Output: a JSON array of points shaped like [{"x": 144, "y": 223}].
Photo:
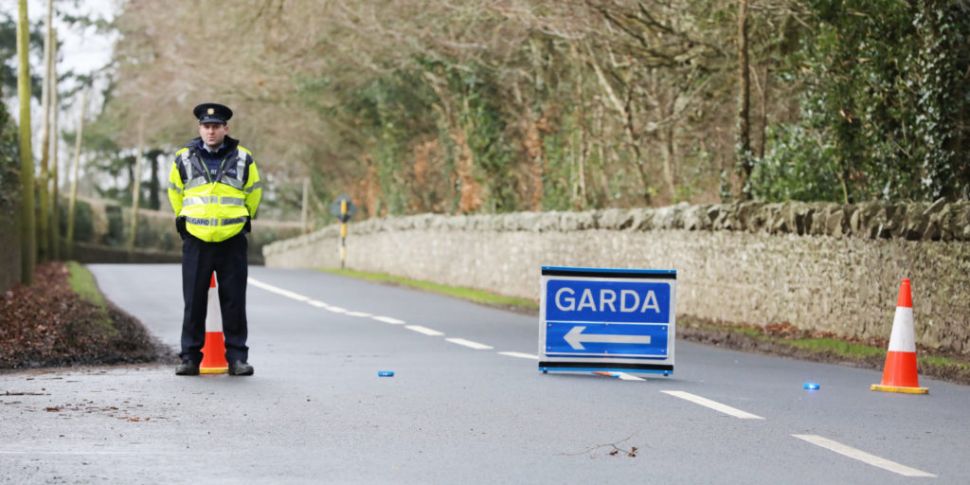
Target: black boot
[
  {"x": 240, "y": 368},
  {"x": 187, "y": 368}
]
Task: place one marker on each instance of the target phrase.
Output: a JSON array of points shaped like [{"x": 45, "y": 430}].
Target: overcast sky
[{"x": 82, "y": 50}]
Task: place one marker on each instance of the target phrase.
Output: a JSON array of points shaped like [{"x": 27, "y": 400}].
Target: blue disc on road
[
  {"x": 385, "y": 373},
  {"x": 811, "y": 386}
]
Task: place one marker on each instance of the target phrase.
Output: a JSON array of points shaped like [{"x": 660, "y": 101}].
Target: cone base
[
  {"x": 900, "y": 389},
  {"x": 214, "y": 354}
]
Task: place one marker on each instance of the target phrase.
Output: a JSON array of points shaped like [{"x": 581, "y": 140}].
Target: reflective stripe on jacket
[{"x": 215, "y": 208}]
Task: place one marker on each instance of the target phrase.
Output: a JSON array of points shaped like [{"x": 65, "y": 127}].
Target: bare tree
[
  {"x": 28, "y": 242},
  {"x": 43, "y": 220}
]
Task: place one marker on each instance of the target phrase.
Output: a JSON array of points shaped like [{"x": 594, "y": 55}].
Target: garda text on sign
[{"x": 595, "y": 319}]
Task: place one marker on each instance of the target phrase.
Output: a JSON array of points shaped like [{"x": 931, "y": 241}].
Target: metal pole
[
  {"x": 343, "y": 234},
  {"x": 306, "y": 203}
]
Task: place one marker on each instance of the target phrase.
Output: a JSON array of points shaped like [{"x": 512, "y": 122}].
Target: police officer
[{"x": 215, "y": 191}]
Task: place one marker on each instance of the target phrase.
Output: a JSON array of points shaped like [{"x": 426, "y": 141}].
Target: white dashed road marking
[
  {"x": 862, "y": 456},
  {"x": 278, "y": 291},
  {"x": 469, "y": 344},
  {"x": 392, "y": 321},
  {"x": 816, "y": 440},
  {"x": 723, "y": 408},
  {"x": 425, "y": 330},
  {"x": 521, "y": 355}
]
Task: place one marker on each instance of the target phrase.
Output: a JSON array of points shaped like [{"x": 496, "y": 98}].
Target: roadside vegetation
[
  {"x": 469, "y": 294},
  {"x": 476, "y": 106},
  {"x": 777, "y": 339},
  {"x": 472, "y": 107},
  {"x": 63, "y": 319}
]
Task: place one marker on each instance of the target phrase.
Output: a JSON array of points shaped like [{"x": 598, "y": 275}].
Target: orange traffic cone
[
  {"x": 899, "y": 374},
  {"x": 214, "y": 351}
]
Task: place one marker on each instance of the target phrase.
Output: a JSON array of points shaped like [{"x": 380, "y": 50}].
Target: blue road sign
[
  {"x": 607, "y": 319},
  {"x": 604, "y": 339}
]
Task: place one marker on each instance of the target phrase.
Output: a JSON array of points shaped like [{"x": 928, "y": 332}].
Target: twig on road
[{"x": 616, "y": 450}]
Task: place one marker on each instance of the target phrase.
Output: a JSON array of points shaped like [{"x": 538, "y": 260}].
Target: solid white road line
[
  {"x": 358, "y": 314},
  {"x": 278, "y": 291},
  {"x": 336, "y": 309},
  {"x": 318, "y": 304},
  {"x": 723, "y": 408},
  {"x": 425, "y": 330},
  {"x": 392, "y": 321},
  {"x": 862, "y": 456},
  {"x": 469, "y": 344},
  {"x": 520, "y": 355}
]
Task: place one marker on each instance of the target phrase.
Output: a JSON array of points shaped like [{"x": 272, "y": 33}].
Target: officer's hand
[
  {"x": 180, "y": 226},
  {"x": 249, "y": 226}
]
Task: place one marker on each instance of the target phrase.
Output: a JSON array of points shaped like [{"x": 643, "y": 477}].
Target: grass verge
[
  {"x": 778, "y": 339},
  {"x": 787, "y": 341},
  {"x": 478, "y": 296},
  {"x": 82, "y": 282}
]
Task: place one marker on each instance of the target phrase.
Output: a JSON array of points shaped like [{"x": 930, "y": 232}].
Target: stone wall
[
  {"x": 103, "y": 227},
  {"x": 822, "y": 267}
]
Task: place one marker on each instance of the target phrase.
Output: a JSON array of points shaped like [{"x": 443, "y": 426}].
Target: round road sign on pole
[{"x": 343, "y": 208}]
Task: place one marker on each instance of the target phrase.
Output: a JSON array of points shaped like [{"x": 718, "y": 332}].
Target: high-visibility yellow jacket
[{"x": 217, "y": 207}]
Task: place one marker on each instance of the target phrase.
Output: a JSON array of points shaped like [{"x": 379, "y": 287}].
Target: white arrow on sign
[{"x": 575, "y": 338}]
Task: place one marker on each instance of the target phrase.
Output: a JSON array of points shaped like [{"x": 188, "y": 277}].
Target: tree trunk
[
  {"x": 634, "y": 142},
  {"x": 28, "y": 243},
  {"x": 744, "y": 158},
  {"x": 72, "y": 204},
  {"x": 763, "y": 127},
  {"x": 669, "y": 134},
  {"x": 43, "y": 214},
  {"x": 55, "y": 227},
  {"x": 136, "y": 185},
  {"x": 154, "y": 202}
]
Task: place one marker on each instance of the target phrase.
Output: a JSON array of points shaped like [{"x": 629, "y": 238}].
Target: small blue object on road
[
  {"x": 811, "y": 386},
  {"x": 385, "y": 373}
]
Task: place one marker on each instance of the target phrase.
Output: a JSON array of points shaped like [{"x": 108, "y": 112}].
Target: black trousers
[{"x": 228, "y": 260}]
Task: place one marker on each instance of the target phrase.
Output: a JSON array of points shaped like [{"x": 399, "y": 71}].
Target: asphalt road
[{"x": 317, "y": 412}]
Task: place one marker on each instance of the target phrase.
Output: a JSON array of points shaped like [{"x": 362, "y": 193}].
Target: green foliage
[
  {"x": 9, "y": 163},
  {"x": 796, "y": 167},
  {"x": 431, "y": 100},
  {"x": 83, "y": 221},
  {"x": 883, "y": 108},
  {"x": 438, "y": 106},
  {"x": 8, "y": 55},
  {"x": 484, "y": 123},
  {"x": 943, "y": 99}
]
